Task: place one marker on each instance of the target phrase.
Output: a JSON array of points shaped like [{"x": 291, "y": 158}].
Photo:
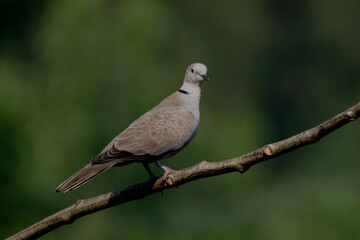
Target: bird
[{"x": 160, "y": 133}]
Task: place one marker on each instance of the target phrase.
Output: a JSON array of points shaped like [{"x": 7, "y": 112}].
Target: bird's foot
[
  {"x": 166, "y": 173},
  {"x": 166, "y": 169}
]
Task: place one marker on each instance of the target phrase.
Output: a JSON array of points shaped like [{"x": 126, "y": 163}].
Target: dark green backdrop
[{"x": 73, "y": 74}]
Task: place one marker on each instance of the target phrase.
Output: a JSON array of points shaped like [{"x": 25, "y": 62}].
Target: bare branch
[{"x": 203, "y": 169}]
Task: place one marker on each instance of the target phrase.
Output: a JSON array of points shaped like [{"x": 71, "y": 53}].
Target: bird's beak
[{"x": 205, "y": 77}]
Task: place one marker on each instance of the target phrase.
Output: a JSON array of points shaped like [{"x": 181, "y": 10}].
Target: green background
[{"x": 73, "y": 74}]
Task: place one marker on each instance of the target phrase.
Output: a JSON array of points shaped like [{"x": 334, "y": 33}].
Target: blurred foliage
[{"x": 73, "y": 74}]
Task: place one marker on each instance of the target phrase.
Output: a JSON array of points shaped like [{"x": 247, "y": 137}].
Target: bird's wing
[{"x": 155, "y": 133}]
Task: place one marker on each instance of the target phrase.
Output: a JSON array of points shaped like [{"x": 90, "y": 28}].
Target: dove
[{"x": 158, "y": 134}]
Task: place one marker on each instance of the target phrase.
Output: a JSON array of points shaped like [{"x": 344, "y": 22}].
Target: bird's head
[{"x": 196, "y": 74}]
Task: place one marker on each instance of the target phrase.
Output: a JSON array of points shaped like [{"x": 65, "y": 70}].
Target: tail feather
[{"x": 82, "y": 176}]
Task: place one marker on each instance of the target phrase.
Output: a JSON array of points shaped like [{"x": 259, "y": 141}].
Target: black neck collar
[{"x": 183, "y": 91}]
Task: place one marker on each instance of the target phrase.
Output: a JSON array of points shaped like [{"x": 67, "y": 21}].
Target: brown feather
[{"x": 160, "y": 133}]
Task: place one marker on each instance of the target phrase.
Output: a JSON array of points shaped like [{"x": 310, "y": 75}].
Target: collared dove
[{"x": 158, "y": 134}]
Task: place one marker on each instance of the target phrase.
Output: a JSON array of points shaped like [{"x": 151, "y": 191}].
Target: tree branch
[{"x": 203, "y": 169}]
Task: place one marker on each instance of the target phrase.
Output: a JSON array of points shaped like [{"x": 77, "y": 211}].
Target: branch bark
[{"x": 204, "y": 169}]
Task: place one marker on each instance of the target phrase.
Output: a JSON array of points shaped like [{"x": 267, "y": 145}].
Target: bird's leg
[
  {"x": 148, "y": 170},
  {"x": 166, "y": 169}
]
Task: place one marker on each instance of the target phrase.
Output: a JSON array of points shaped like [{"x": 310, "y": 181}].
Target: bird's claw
[{"x": 166, "y": 173}]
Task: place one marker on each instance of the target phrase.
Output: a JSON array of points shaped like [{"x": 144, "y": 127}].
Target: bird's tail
[{"x": 82, "y": 176}]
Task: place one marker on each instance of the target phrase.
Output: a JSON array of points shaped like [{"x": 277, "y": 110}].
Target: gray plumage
[{"x": 158, "y": 134}]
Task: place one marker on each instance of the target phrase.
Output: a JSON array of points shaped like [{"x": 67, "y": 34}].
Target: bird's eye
[{"x": 192, "y": 70}]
